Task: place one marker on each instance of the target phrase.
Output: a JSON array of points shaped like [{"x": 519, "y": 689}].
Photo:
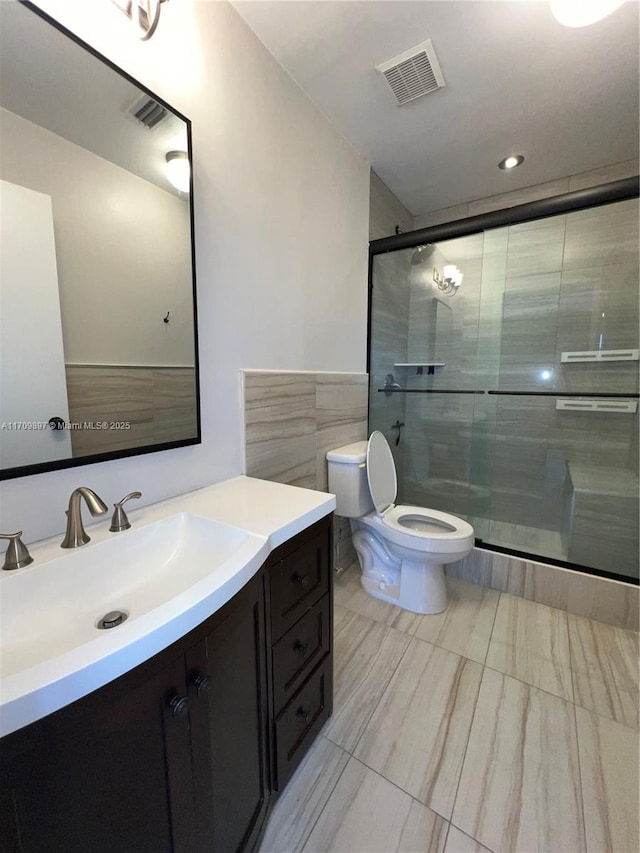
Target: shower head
[{"x": 422, "y": 254}]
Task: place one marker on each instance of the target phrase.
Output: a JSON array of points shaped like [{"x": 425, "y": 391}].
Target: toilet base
[{"x": 422, "y": 588}]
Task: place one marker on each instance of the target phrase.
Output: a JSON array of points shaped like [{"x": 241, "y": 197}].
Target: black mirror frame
[{"x": 60, "y": 464}]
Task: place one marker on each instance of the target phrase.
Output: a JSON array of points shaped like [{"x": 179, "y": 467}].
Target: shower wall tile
[
  {"x": 580, "y": 181},
  {"x": 385, "y": 211},
  {"x": 586, "y": 295},
  {"x": 605, "y": 600},
  {"x": 444, "y": 215},
  {"x": 602, "y": 235},
  {"x": 604, "y": 175},
  {"x": 523, "y": 196},
  {"x": 538, "y": 249}
]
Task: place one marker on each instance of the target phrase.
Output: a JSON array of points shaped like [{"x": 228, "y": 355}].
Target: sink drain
[{"x": 112, "y": 619}]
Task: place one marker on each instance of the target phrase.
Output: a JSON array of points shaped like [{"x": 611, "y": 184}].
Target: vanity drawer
[
  {"x": 299, "y": 651},
  {"x": 299, "y": 580},
  {"x": 301, "y": 721}
]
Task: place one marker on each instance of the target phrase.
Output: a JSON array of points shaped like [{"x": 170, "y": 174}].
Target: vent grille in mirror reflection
[{"x": 148, "y": 112}]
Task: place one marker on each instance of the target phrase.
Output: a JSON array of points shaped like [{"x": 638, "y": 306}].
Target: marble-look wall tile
[
  {"x": 341, "y": 415},
  {"x": 280, "y": 427},
  {"x": 605, "y": 600},
  {"x": 291, "y": 419},
  {"x": 386, "y": 211},
  {"x": 604, "y": 175},
  {"x": 367, "y": 813},
  {"x": 406, "y": 740},
  {"x": 519, "y": 789},
  {"x": 604, "y": 664},
  {"x": 609, "y": 770},
  {"x": 580, "y": 181},
  {"x": 522, "y": 196},
  {"x": 158, "y": 402}
]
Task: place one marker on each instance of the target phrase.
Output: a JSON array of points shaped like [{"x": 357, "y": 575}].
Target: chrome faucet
[{"x": 76, "y": 535}]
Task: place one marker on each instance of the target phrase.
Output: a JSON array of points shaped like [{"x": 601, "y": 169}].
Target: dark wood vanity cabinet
[
  {"x": 300, "y": 629},
  {"x": 183, "y": 753}
]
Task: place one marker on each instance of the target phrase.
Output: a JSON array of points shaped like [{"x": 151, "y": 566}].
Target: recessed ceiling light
[{"x": 511, "y": 161}]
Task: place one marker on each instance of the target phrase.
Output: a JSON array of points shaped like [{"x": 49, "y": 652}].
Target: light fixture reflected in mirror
[
  {"x": 143, "y": 14},
  {"x": 178, "y": 170},
  {"x": 581, "y": 13}
]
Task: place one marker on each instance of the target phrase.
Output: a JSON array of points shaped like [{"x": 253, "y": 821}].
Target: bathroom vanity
[{"x": 187, "y": 749}]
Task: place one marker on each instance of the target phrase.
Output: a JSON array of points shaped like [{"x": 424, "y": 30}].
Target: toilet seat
[{"x": 409, "y": 526}]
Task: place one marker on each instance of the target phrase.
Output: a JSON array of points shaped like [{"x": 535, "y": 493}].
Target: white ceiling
[{"x": 516, "y": 82}]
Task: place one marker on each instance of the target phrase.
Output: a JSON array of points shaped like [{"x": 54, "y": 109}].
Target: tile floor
[{"x": 500, "y": 725}]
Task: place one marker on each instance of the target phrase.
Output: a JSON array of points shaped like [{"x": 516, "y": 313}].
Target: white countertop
[{"x": 45, "y": 671}]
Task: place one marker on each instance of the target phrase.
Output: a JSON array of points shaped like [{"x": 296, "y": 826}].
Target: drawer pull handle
[
  {"x": 179, "y": 706},
  {"x": 306, "y": 715},
  {"x": 301, "y": 648},
  {"x": 303, "y": 580},
  {"x": 202, "y": 683}
]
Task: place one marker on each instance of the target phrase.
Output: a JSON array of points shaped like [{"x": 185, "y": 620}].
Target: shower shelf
[
  {"x": 628, "y": 406},
  {"x": 420, "y": 365},
  {"x": 600, "y": 355}
]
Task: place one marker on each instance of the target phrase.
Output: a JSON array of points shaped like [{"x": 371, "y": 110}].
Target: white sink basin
[{"x": 166, "y": 576}]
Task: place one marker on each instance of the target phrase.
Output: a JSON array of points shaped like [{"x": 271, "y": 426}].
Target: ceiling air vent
[
  {"x": 148, "y": 112},
  {"x": 414, "y": 73}
]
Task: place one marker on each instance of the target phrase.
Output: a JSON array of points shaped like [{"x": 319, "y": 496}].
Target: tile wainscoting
[
  {"x": 157, "y": 401},
  {"x": 291, "y": 420},
  {"x": 610, "y": 601}
]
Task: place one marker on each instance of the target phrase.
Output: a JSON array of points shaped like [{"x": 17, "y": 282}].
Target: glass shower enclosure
[{"x": 503, "y": 364}]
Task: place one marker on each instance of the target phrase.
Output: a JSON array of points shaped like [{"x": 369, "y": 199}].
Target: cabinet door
[
  {"x": 228, "y": 688},
  {"x": 117, "y": 777}
]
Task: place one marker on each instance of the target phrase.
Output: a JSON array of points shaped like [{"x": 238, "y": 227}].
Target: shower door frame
[{"x": 622, "y": 190}]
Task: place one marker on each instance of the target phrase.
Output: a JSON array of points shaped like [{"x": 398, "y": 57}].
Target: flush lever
[{"x": 119, "y": 520}]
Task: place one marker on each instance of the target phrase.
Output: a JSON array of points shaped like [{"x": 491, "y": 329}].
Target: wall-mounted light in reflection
[
  {"x": 178, "y": 170},
  {"x": 143, "y": 14},
  {"x": 545, "y": 375}
]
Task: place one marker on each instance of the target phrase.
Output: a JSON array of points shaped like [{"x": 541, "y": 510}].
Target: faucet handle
[
  {"x": 17, "y": 555},
  {"x": 119, "y": 520}
]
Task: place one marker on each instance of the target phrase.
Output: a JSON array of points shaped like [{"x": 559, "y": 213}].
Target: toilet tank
[{"x": 347, "y": 468}]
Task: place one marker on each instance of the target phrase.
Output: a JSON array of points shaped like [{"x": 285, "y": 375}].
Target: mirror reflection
[{"x": 97, "y": 334}]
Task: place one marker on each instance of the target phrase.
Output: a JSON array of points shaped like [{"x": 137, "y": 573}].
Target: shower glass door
[{"x": 504, "y": 373}]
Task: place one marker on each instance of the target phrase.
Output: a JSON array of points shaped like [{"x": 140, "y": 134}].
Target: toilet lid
[{"x": 381, "y": 472}]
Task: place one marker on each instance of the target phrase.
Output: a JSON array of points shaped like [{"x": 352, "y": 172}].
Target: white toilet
[{"x": 402, "y": 549}]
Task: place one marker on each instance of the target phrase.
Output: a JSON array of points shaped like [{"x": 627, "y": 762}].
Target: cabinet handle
[
  {"x": 203, "y": 683},
  {"x": 306, "y": 715},
  {"x": 301, "y": 648},
  {"x": 303, "y": 580},
  {"x": 179, "y": 706}
]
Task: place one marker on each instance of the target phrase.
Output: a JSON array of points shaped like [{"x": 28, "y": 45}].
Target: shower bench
[{"x": 602, "y": 528}]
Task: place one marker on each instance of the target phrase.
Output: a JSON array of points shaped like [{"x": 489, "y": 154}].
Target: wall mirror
[{"x": 98, "y": 344}]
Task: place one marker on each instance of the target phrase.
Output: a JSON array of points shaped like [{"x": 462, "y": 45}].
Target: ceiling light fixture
[
  {"x": 581, "y": 13},
  {"x": 511, "y": 161},
  {"x": 178, "y": 170}
]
